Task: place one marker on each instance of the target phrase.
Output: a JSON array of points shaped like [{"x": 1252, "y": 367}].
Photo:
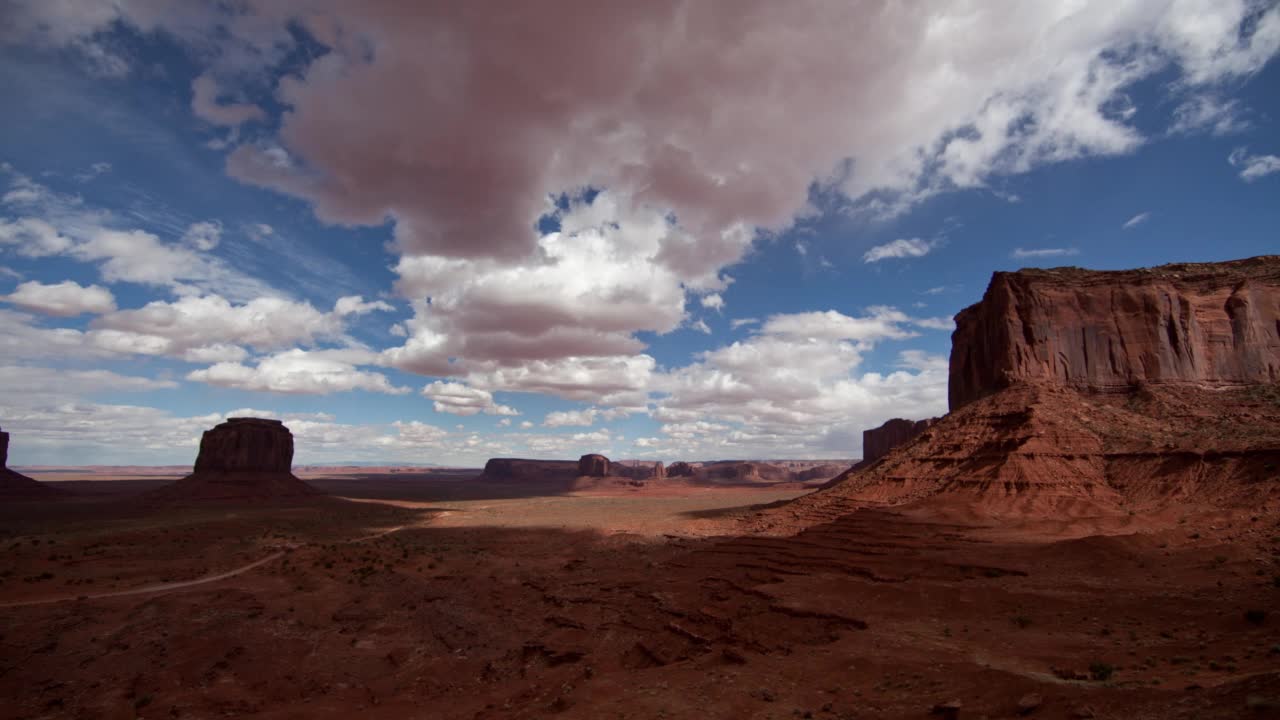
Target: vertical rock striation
[
  {"x": 877, "y": 442},
  {"x": 1205, "y": 324}
]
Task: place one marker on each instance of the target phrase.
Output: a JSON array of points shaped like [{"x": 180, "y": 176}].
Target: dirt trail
[{"x": 165, "y": 587}]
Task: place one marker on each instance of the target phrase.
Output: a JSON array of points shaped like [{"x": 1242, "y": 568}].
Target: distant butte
[{"x": 243, "y": 458}]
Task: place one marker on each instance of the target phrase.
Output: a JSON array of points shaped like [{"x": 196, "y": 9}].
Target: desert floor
[{"x": 425, "y": 595}]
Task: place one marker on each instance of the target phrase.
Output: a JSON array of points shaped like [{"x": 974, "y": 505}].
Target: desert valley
[{"x": 1092, "y": 531}]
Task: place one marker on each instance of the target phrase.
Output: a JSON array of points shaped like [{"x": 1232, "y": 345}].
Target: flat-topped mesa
[
  {"x": 877, "y": 442},
  {"x": 4, "y": 449},
  {"x": 1202, "y": 324},
  {"x": 246, "y": 445},
  {"x": 593, "y": 465}
]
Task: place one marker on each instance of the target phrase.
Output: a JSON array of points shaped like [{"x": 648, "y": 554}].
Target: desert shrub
[{"x": 1100, "y": 671}]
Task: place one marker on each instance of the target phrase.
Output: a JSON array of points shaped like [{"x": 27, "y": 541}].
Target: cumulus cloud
[
  {"x": 356, "y": 305},
  {"x": 460, "y": 399},
  {"x": 779, "y": 393},
  {"x": 192, "y": 322},
  {"x": 579, "y": 418},
  {"x": 1253, "y": 167},
  {"x": 1135, "y": 221},
  {"x": 713, "y": 301},
  {"x": 303, "y": 372},
  {"x": 1024, "y": 253},
  {"x": 900, "y": 248},
  {"x": 880, "y": 323},
  {"x": 64, "y": 299}
]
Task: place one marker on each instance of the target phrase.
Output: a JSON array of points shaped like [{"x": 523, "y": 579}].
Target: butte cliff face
[
  {"x": 242, "y": 458},
  {"x": 593, "y": 466},
  {"x": 877, "y": 442},
  {"x": 14, "y": 485},
  {"x": 1078, "y": 392},
  {"x": 1204, "y": 324}
]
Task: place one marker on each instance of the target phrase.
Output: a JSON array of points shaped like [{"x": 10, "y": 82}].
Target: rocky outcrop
[
  {"x": 242, "y": 458},
  {"x": 593, "y": 465},
  {"x": 877, "y": 442},
  {"x": 14, "y": 485},
  {"x": 680, "y": 469},
  {"x": 659, "y": 472},
  {"x": 1206, "y": 324}
]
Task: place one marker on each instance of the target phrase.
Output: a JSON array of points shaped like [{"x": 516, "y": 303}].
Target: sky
[{"x": 441, "y": 232}]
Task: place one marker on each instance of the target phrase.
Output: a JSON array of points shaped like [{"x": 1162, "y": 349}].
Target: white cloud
[
  {"x": 1136, "y": 220},
  {"x": 881, "y": 323},
  {"x": 740, "y": 322},
  {"x": 1253, "y": 167},
  {"x": 51, "y": 223},
  {"x": 526, "y": 424},
  {"x": 33, "y": 237},
  {"x": 1022, "y": 253},
  {"x": 1208, "y": 112},
  {"x": 460, "y": 399},
  {"x": 64, "y": 299},
  {"x": 935, "y": 323},
  {"x": 355, "y": 305},
  {"x": 566, "y": 418},
  {"x": 43, "y": 384},
  {"x": 701, "y": 326},
  {"x": 900, "y": 248},
  {"x": 713, "y": 301},
  {"x": 188, "y": 323},
  {"x": 203, "y": 236},
  {"x": 309, "y": 372}
]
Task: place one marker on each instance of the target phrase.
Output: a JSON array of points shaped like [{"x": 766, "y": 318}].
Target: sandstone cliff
[
  {"x": 877, "y": 442},
  {"x": 1207, "y": 324}
]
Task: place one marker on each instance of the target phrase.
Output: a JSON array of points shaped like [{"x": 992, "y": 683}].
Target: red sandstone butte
[
  {"x": 241, "y": 458},
  {"x": 593, "y": 466},
  {"x": 1209, "y": 324}
]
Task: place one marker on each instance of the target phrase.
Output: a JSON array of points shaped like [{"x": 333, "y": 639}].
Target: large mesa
[
  {"x": 239, "y": 459},
  {"x": 1202, "y": 324},
  {"x": 1077, "y": 391}
]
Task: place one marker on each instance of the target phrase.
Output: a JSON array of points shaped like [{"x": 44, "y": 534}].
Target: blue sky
[{"x": 419, "y": 238}]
